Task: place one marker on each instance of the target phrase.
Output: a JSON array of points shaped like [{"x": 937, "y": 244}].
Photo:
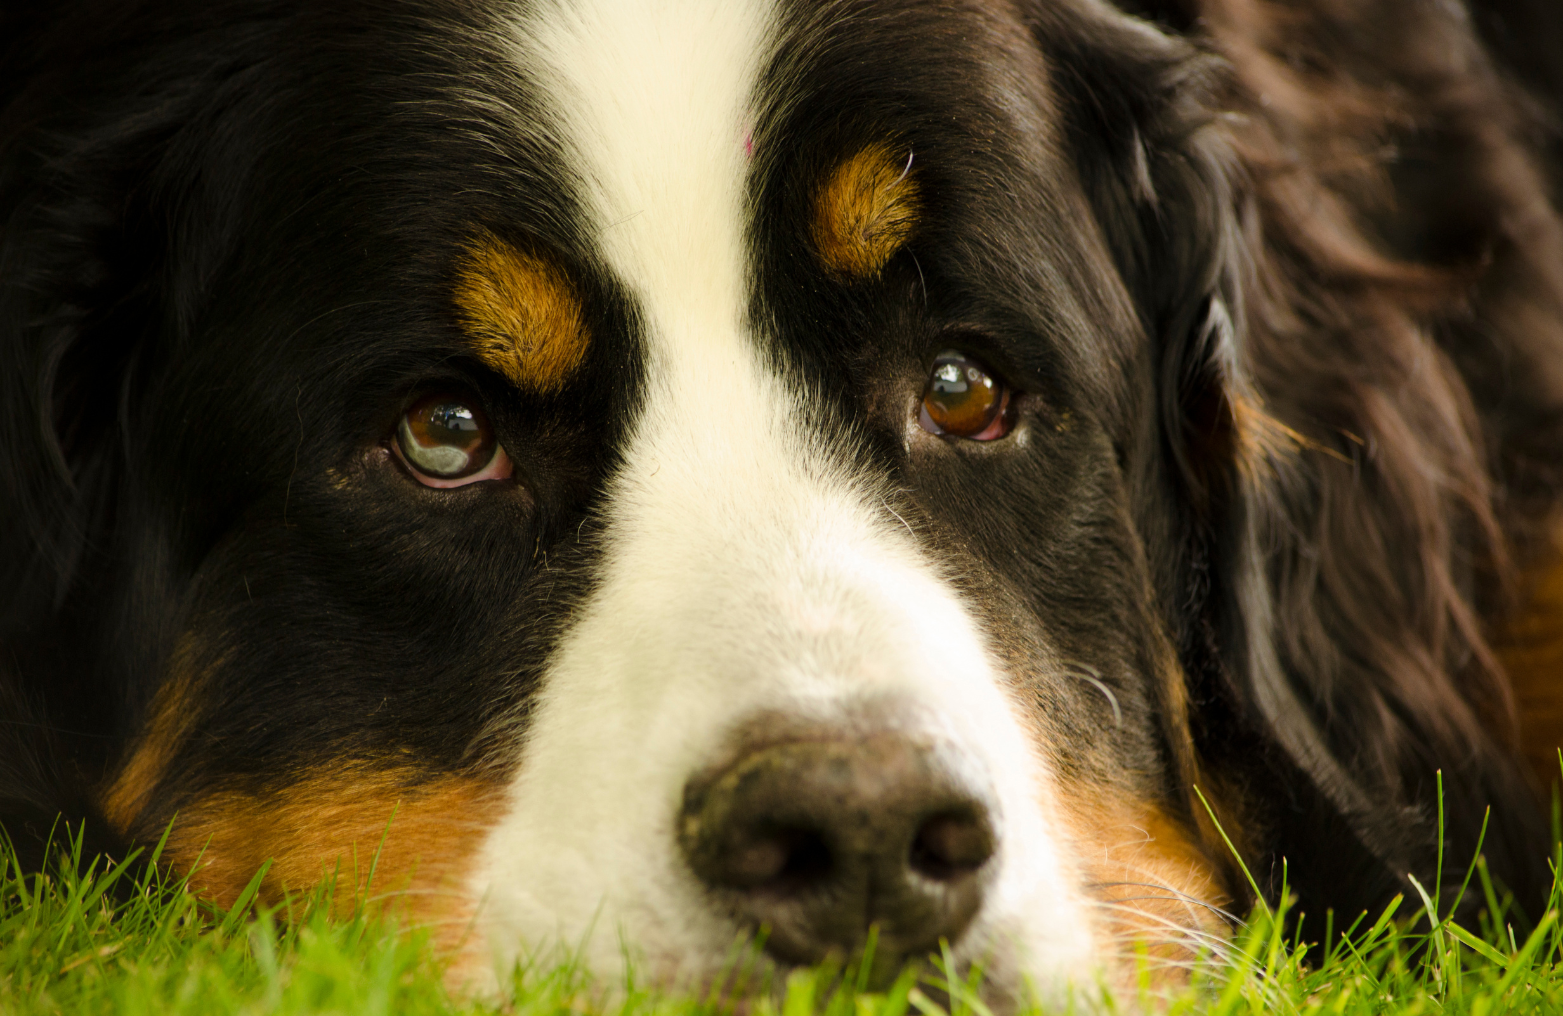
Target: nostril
[
  {"x": 808, "y": 860},
  {"x": 780, "y": 858},
  {"x": 818, "y": 840},
  {"x": 949, "y": 845}
]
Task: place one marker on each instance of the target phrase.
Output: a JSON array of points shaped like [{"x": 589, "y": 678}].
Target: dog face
[
  {"x": 646, "y": 476},
  {"x": 716, "y": 282}
]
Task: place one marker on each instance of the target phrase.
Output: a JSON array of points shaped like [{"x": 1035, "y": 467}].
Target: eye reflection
[
  {"x": 445, "y": 438},
  {"x": 964, "y": 400}
]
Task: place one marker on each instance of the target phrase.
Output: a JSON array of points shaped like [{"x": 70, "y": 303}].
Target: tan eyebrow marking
[
  {"x": 867, "y": 210},
  {"x": 521, "y": 314}
]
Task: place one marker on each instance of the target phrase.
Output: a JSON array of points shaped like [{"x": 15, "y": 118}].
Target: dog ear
[
  {"x": 71, "y": 320},
  {"x": 1328, "y": 479},
  {"x": 98, "y": 185},
  {"x": 1370, "y": 440},
  {"x": 81, "y": 263},
  {"x": 66, "y": 341}
]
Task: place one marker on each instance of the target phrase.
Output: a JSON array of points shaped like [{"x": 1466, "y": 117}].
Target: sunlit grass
[{"x": 92, "y": 938}]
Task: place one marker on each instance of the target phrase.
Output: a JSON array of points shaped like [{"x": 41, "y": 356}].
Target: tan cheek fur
[
  {"x": 1159, "y": 895},
  {"x": 520, "y": 314},
  {"x": 418, "y": 834},
  {"x": 867, "y": 210},
  {"x": 418, "y": 839},
  {"x": 173, "y": 714}
]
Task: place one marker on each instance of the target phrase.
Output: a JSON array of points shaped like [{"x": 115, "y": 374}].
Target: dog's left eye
[
  {"x": 446, "y": 441},
  {"x": 963, "y": 399}
]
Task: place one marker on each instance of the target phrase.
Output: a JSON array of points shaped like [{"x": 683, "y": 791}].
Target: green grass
[{"x": 66, "y": 946}]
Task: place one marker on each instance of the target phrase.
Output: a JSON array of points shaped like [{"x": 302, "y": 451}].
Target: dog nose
[{"x": 817, "y": 840}]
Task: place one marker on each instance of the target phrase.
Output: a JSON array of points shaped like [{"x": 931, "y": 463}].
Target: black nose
[{"x": 818, "y": 840}]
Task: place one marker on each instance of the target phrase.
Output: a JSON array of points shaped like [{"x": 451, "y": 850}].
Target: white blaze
[{"x": 744, "y": 569}]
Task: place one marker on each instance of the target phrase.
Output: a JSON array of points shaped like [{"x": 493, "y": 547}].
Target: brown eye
[
  {"x": 446, "y": 441},
  {"x": 963, "y": 399}
]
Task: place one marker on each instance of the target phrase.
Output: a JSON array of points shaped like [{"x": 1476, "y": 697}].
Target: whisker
[
  {"x": 1093, "y": 677},
  {"x": 1181, "y": 931},
  {"x": 1185, "y": 897},
  {"x": 897, "y": 515}
]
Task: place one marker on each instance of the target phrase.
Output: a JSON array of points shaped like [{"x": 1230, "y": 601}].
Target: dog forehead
[
  {"x": 675, "y": 119},
  {"x": 653, "y": 105}
]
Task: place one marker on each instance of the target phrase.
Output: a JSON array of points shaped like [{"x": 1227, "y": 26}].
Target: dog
[{"x": 641, "y": 475}]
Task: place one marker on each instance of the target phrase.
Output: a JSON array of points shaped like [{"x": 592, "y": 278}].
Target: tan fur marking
[
  {"x": 1531, "y": 649},
  {"x": 172, "y": 714},
  {"x": 865, "y": 212},
  {"x": 1265, "y": 440},
  {"x": 334, "y": 825},
  {"x": 1157, "y": 889},
  {"x": 521, "y": 314}
]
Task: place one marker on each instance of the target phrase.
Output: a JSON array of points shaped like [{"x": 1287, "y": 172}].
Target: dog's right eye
[{"x": 446, "y": 441}]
